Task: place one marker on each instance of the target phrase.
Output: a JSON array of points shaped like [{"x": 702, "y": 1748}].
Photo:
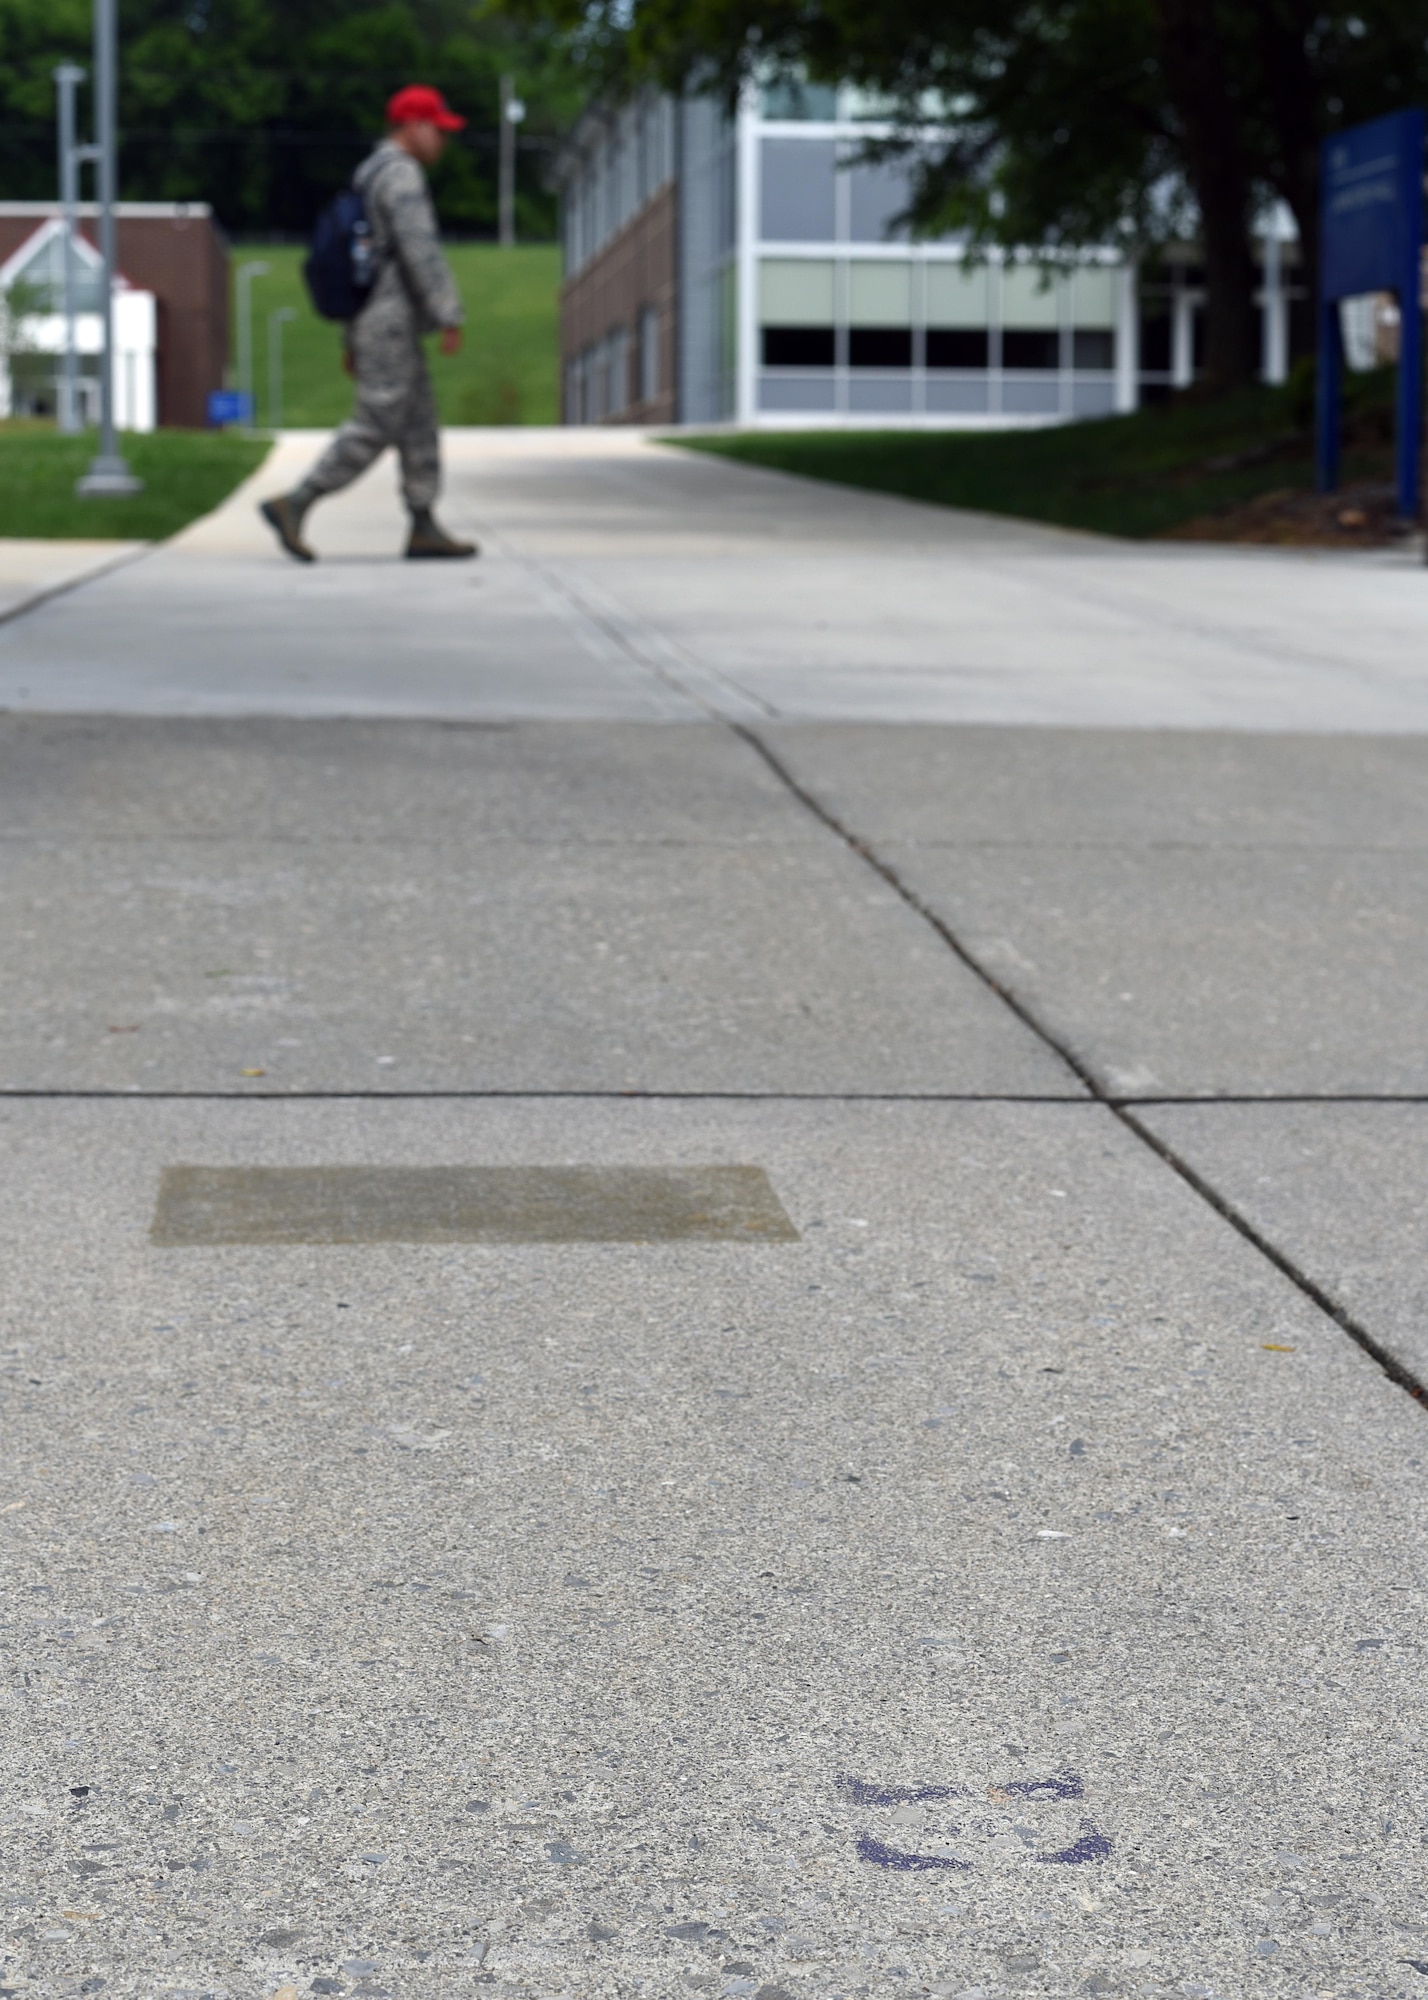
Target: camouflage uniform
[{"x": 414, "y": 294}]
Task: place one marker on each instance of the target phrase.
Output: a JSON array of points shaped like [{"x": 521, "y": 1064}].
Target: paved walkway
[
  {"x": 974, "y": 1547},
  {"x": 627, "y": 581},
  {"x": 30, "y": 572}
]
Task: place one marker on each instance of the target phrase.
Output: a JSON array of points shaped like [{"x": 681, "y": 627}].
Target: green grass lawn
[
  {"x": 1140, "y": 475},
  {"x": 185, "y": 474},
  {"x": 506, "y": 373}
]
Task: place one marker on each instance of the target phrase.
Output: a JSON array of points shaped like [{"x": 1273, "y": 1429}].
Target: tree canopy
[
  {"x": 1071, "y": 121},
  {"x": 263, "y": 107}
]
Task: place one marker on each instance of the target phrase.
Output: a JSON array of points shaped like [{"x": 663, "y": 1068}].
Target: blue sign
[
  {"x": 229, "y": 406},
  {"x": 1371, "y": 240}
]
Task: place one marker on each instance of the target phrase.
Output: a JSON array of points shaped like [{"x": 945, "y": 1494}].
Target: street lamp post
[
  {"x": 108, "y": 474},
  {"x": 244, "y": 285},
  {"x": 276, "y": 321},
  {"x": 512, "y": 112},
  {"x": 68, "y": 77}
]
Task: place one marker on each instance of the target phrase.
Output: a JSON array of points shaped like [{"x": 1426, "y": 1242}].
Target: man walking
[{"x": 413, "y": 294}]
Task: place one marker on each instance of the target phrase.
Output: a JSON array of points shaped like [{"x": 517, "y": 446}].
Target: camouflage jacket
[{"x": 412, "y": 273}]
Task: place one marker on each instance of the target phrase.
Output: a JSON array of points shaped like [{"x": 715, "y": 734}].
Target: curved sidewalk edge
[
  {"x": 234, "y": 524},
  {"x": 32, "y": 572}
]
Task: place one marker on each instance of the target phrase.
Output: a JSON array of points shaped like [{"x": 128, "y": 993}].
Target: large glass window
[
  {"x": 799, "y": 190},
  {"x": 808, "y": 393},
  {"x": 1155, "y": 337},
  {"x": 649, "y": 354},
  {"x": 1030, "y": 347},
  {"x": 799, "y": 346},
  {"x": 796, "y": 291},
  {"x": 1094, "y": 296},
  {"x": 880, "y": 315},
  {"x": 796, "y": 312},
  {"x": 1029, "y": 297},
  {"x": 41, "y": 276},
  {"x": 958, "y": 347},
  {"x": 926, "y": 333},
  {"x": 957, "y": 295},
  {"x": 877, "y": 196},
  {"x": 958, "y": 305},
  {"x": 1093, "y": 307},
  {"x": 880, "y": 347},
  {"x": 801, "y": 101},
  {"x": 1031, "y": 318},
  {"x": 880, "y": 294},
  {"x": 1093, "y": 347},
  {"x": 617, "y": 363}
]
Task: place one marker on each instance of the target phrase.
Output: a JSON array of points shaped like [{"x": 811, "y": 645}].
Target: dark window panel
[
  {"x": 1093, "y": 347},
  {"x": 880, "y": 347},
  {"x": 1031, "y": 347},
  {"x": 1155, "y": 342},
  {"x": 957, "y": 347},
  {"x": 798, "y": 347}
]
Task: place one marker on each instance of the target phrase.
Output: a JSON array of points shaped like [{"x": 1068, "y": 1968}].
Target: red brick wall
[{"x": 635, "y": 269}]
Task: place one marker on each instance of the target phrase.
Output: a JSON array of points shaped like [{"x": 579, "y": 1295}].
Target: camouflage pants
[{"x": 395, "y": 407}]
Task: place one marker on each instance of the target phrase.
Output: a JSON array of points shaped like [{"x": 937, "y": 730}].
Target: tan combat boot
[
  {"x": 284, "y": 517},
  {"x": 430, "y": 542}
]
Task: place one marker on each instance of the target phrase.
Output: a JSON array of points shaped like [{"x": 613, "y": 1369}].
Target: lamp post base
[{"x": 108, "y": 474}]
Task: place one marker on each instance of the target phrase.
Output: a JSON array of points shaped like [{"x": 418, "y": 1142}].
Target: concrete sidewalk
[
  {"x": 986, "y": 1557},
  {"x": 33, "y": 571},
  {"x": 624, "y": 580}
]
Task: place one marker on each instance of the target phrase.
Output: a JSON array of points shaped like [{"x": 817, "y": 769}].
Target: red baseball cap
[{"x": 419, "y": 104}]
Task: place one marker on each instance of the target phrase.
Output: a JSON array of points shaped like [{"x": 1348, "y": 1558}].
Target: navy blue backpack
[{"x": 341, "y": 267}]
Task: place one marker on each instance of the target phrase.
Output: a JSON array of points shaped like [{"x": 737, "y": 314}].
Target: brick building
[
  {"x": 177, "y": 252},
  {"x": 621, "y": 240}
]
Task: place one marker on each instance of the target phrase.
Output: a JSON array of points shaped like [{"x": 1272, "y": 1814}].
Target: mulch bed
[{"x": 1356, "y": 517}]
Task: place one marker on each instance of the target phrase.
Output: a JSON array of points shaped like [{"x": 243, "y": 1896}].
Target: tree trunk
[
  {"x": 1293, "y": 102},
  {"x": 1195, "y": 75}
]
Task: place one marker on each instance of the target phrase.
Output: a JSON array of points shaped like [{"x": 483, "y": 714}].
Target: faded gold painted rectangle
[{"x": 276, "y": 1205}]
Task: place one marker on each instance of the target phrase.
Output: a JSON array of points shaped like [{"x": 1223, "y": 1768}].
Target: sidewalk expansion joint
[
  {"x": 1120, "y": 1108},
  {"x": 518, "y": 1095},
  {"x": 1270, "y": 1097},
  {"x": 1342, "y": 1318}
]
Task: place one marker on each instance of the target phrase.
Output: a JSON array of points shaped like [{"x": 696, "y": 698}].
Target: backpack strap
[{"x": 381, "y": 255}]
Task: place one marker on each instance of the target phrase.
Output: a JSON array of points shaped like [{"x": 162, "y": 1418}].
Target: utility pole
[
  {"x": 108, "y": 473},
  {"x": 244, "y": 286},
  {"x": 512, "y": 112},
  {"x": 68, "y": 77},
  {"x": 275, "y": 364}
]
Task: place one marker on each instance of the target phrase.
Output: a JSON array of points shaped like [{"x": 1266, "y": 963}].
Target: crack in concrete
[{"x": 1120, "y": 1108}]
